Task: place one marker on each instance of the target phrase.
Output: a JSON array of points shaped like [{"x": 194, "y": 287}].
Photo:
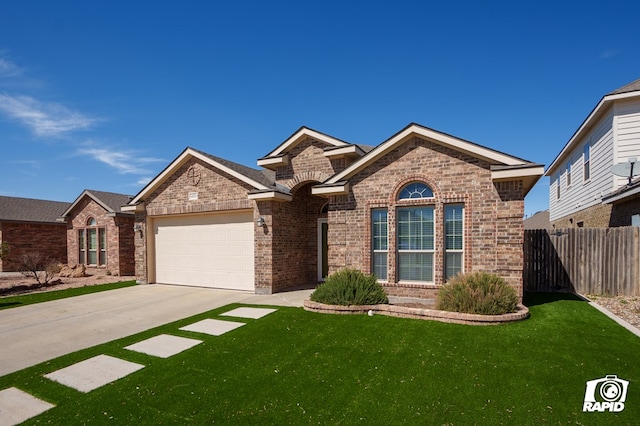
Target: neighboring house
[
  {"x": 539, "y": 220},
  {"x": 29, "y": 226},
  {"x": 98, "y": 233},
  {"x": 415, "y": 210},
  {"x": 583, "y": 191}
]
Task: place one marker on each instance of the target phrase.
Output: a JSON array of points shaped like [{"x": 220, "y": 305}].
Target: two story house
[{"x": 584, "y": 191}]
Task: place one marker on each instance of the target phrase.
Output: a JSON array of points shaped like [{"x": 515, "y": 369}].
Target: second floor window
[{"x": 587, "y": 162}]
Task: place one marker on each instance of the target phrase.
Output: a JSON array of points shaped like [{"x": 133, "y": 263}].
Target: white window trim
[{"x": 432, "y": 251}]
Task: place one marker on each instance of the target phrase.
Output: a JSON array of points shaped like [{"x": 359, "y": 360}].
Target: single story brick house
[
  {"x": 98, "y": 233},
  {"x": 29, "y": 226},
  {"x": 415, "y": 210}
]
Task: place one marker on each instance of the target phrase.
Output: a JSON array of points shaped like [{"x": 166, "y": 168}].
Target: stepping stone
[
  {"x": 212, "y": 326},
  {"x": 17, "y": 406},
  {"x": 164, "y": 345},
  {"x": 94, "y": 372},
  {"x": 254, "y": 313}
]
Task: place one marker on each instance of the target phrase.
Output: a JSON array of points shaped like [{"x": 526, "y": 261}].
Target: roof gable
[
  {"x": 111, "y": 202},
  {"x": 504, "y": 166},
  {"x": 279, "y": 156},
  {"x": 30, "y": 210},
  {"x": 258, "y": 179},
  {"x": 475, "y": 150},
  {"x": 628, "y": 91}
]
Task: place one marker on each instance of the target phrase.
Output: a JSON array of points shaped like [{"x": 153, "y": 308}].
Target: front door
[{"x": 323, "y": 249}]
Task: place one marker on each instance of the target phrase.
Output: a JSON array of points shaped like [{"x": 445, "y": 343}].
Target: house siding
[
  {"x": 49, "y": 240},
  {"x": 493, "y": 214},
  {"x": 286, "y": 249},
  {"x": 217, "y": 191},
  {"x": 581, "y": 194},
  {"x": 119, "y": 235}
]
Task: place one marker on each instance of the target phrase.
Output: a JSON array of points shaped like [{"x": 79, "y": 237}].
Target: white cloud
[
  {"x": 9, "y": 69},
  {"x": 125, "y": 162},
  {"x": 44, "y": 119},
  {"x": 143, "y": 181}
]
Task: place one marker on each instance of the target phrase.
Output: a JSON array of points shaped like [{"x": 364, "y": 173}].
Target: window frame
[
  {"x": 402, "y": 254},
  {"x": 586, "y": 163},
  {"x": 446, "y": 250},
  {"x": 85, "y": 252},
  {"x": 377, "y": 224}
]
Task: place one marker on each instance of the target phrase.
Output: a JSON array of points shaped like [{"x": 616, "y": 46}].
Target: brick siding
[
  {"x": 119, "y": 236},
  {"x": 50, "y": 240},
  {"x": 286, "y": 249}
]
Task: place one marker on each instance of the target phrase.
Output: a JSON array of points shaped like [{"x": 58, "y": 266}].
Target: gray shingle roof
[
  {"x": 30, "y": 210},
  {"x": 110, "y": 201},
  {"x": 265, "y": 177},
  {"x": 631, "y": 87}
]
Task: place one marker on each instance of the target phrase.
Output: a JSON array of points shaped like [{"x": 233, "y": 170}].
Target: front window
[
  {"x": 454, "y": 240},
  {"x": 415, "y": 243},
  {"x": 379, "y": 243},
  {"x": 558, "y": 186},
  {"x": 92, "y": 244},
  {"x": 569, "y": 173}
]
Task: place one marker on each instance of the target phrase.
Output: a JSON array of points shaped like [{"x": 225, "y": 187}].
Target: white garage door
[{"x": 214, "y": 250}]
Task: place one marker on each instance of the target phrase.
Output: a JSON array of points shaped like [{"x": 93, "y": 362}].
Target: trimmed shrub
[
  {"x": 350, "y": 287},
  {"x": 477, "y": 293}
]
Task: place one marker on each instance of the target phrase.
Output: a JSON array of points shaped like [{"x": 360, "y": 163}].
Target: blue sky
[{"x": 103, "y": 95}]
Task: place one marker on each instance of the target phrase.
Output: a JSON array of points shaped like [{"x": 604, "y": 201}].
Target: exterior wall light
[
  {"x": 137, "y": 227},
  {"x": 260, "y": 222}
]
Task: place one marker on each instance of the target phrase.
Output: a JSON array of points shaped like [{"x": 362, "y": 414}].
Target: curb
[{"x": 419, "y": 313}]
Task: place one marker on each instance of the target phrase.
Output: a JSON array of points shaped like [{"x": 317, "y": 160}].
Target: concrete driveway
[{"x": 37, "y": 333}]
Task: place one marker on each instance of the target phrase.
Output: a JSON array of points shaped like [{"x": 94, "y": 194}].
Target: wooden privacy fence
[{"x": 583, "y": 260}]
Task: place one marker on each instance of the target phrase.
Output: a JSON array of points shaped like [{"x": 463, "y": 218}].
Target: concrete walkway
[{"x": 37, "y": 333}]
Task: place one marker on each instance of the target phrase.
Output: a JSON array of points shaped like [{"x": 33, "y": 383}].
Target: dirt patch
[
  {"x": 12, "y": 284},
  {"x": 625, "y": 307}
]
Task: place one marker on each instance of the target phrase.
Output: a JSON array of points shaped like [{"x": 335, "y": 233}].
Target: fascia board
[
  {"x": 599, "y": 110},
  {"x": 178, "y": 162},
  {"x": 90, "y": 195},
  {"x": 331, "y": 190},
  {"x": 270, "y": 162},
  {"x": 436, "y": 137},
  {"x": 133, "y": 208},
  {"x": 613, "y": 198},
  {"x": 511, "y": 174},
  {"x": 229, "y": 171},
  {"x": 270, "y": 195},
  {"x": 301, "y": 134},
  {"x": 350, "y": 150}
]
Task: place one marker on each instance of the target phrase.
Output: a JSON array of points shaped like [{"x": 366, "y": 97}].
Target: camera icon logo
[{"x": 606, "y": 394}]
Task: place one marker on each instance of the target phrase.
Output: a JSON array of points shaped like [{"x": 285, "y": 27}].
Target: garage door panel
[{"x": 209, "y": 250}]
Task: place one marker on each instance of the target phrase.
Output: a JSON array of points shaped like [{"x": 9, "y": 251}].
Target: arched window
[
  {"x": 92, "y": 244},
  {"x": 415, "y": 190}
]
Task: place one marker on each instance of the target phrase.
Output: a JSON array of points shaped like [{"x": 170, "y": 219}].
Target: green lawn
[
  {"x": 28, "y": 299},
  {"x": 297, "y": 367}
]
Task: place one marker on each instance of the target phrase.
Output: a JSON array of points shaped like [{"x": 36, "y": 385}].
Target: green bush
[
  {"x": 350, "y": 287},
  {"x": 477, "y": 293}
]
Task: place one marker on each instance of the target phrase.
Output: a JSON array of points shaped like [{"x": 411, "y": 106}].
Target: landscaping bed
[
  {"x": 14, "y": 283},
  {"x": 414, "y": 310}
]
